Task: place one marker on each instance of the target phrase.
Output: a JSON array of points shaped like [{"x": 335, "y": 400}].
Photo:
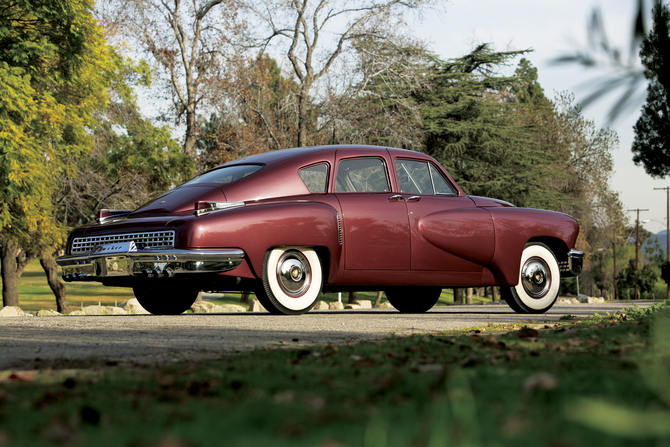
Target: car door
[
  {"x": 375, "y": 222},
  {"x": 448, "y": 232}
]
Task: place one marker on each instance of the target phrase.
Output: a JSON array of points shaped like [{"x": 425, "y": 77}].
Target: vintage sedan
[{"x": 294, "y": 223}]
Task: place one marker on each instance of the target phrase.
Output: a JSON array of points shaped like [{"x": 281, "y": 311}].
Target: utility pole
[
  {"x": 614, "y": 252},
  {"x": 637, "y": 248},
  {"x": 667, "y": 226}
]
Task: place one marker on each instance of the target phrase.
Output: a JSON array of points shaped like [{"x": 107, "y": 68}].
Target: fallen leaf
[
  {"x": 526, "y": 332},
  {"x": 166, "y": 381},
  {"x": 514, "y": 426},
  {"x": 285, "y": 397},
  {"x": 591, "y": 342},
  {"x": 16, "y": 377},
  {"x": 365, "y": 363},
  {"x": 316, "y": 402},
  {"x": 430, "y": 368},
  {"x": 471, "y": 361},
  {"x": 540, "y": 381},
  {"x": 574, "y": 341},
  {"x": 415, "y": 348}
]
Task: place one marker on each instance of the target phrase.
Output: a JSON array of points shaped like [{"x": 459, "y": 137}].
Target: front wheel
[
  {"x": 539, "y": 281},
  {"x": 165, "y": 298},
  {"x": 292, "y": 280},
  {"x": 413, "y": 300}
]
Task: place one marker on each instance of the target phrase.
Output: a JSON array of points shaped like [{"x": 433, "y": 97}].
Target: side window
[
  {"x": 413, "y": 177},
  {"x": 360, "y": 175},
  {"x": 315, "y": 177},
  {"x": 442, "y": 185}
]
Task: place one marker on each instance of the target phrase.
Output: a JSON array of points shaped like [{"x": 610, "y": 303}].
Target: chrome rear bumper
[{"x": 156, "y": 263}]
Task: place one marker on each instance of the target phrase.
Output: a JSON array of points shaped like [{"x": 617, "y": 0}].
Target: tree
[
  {"x": 477, "y": 130},
  {"x": 651, "y": 147},
  {"x": 646, "y": 278},
  {"x": 259, "y": 113},
  {"x": 188, "y": 43},
  {"x": 52, "y": 55},
  {"x": 305, "y": 26},
  {"x": 380, "y": 108}
]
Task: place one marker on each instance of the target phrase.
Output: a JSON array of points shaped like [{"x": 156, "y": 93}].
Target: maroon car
[{"x": 293, "y": 223}]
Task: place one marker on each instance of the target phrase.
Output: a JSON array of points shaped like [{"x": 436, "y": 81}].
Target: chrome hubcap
[
  {"x": 536, "y": 277},
  {"x": 293, "y": 273}
]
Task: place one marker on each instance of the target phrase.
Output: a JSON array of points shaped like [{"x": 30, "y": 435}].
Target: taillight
[{"x": 103, "y": 214}]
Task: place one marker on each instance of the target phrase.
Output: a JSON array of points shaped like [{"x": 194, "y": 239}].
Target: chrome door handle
[
  {"x": 414, "y": 199},
  {"x": 396, "y": 198}
]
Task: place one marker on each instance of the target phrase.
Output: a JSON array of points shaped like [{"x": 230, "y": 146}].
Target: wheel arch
[{"x": 557, "y": 247}]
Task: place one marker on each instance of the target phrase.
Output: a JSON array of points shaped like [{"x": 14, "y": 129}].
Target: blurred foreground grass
[
  {"x": 35, "y": 294},
  {"x": 598, "y": 382}
]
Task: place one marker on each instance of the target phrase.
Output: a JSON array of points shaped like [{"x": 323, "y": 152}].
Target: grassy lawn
[
  {"x": 599, "y": 382},
  {"x": 35, "y": 294}
]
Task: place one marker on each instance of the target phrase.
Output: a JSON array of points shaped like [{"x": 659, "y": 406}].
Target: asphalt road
[{"x": 29, "y": 342}]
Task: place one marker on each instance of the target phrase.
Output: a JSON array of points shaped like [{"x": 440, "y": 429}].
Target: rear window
[
  {"x": 226, "y": 175},
  {"x": 315, "y": 177}
]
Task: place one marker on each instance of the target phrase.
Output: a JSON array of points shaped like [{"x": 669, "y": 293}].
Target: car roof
[{"x": 304, "y": 154}]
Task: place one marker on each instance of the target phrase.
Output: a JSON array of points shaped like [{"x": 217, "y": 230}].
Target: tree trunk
[
  {"x": 57, "y": 287},
  {"x": 468, "y": 295},
  {"x": 9, "y": 272},
  {"x": 494, "y": 293},
  {"x": 303, "y": 115},
  {"x": 353, "y": 298},
  {"x": 378, "y": 301},
  {"x": 191, "y": 135},
  {"x": 458, "y": 296},
  {"x": 245, "y": 297}
]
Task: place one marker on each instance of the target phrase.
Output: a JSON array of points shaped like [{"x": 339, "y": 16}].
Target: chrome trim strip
[
  {"x": 149, "y": 263},
  {"x": 339, "y": 229},
  {"x": 217, "y": 206}
]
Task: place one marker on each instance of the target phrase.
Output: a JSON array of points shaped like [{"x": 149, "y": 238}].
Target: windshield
[{"x": 225, "y": 175}]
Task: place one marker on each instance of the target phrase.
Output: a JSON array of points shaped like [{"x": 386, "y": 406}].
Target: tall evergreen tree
[
  {"x": 483, "y": 135},
  {"x": 651, "y": 147}
]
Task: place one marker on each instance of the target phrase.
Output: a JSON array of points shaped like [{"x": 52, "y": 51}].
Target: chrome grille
[{"x": 153, "y": 239}]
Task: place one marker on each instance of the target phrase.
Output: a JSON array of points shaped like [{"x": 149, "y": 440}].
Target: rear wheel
[
  {"x": 539, "y": 281},
  {"x": 166, "y": 298},
  {"x": 413, "y": 300},
  {"x": 292, "y": 280}
]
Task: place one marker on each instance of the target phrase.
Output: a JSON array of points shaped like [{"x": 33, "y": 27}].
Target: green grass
[
  {"x": 499, "y": 386},
  {"x": 35, "y": 294}
]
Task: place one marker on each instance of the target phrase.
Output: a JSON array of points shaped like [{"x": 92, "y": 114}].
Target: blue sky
[{"x": 553, "y": 28}]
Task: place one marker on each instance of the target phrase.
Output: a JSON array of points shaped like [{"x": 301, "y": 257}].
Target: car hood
[{"x": 179, "y": 201}]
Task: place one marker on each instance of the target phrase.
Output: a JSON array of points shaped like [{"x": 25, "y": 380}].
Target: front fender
[{"x": 515, "y": 227}]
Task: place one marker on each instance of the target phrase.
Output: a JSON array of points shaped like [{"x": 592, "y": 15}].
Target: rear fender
[{"x": 257, "y": 228}]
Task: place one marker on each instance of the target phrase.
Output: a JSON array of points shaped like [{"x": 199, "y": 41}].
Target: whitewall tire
[
  {"x": 292, "y": 279},
  {"x": 539, "y": 281}
]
